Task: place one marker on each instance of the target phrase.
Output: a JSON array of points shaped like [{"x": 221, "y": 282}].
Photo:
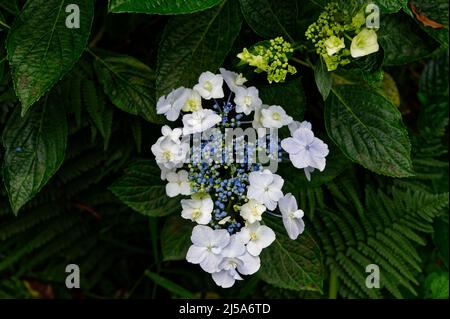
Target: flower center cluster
[{"x": 225, "y": 182}]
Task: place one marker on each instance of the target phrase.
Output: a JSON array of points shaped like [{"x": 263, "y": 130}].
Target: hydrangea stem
[
  {"x": 348, "y": 37},
  {"x": 274, "y": 214},
  {"x": 302, "y": 62},
  {"x": 4, "y": 25},
  {"x": 334, "y": 284}
]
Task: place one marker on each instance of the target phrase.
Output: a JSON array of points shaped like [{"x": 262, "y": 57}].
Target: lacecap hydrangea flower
[
  {"x": 330, "y": 32},
  {"x": 229, "y": 201},
  {"x": 272, "y": 57}
]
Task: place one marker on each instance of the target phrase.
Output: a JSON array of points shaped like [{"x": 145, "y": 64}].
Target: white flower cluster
[{"x": 229, "y": 235}]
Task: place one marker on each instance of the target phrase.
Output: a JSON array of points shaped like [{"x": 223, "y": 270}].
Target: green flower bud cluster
[
  {"x": 271, "y": 57},
  {"x": 329, "y": 32}
]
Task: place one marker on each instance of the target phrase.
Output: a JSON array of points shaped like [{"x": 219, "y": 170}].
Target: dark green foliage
[
  {"x": 141, "y": 189},
  {"x": 294, "y": 265},
  {"x": 50, "y": 49},
  {"x": 35, "y": 147},
  {"x": 192, "y": 44},
  {"x": 369, "y": 130},
  {"x": 161, "y": 7}
]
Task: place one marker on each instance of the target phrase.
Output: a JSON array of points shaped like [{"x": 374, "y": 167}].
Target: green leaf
[
  {"x": 141, "y": 189},
  {"x": 41, "y": 49},
  {"x": 161, "y": 6},
  {"x": 391, "y": 6},
  {"x": 194, "y": 44},
  {"x": 401, "y": 49},
  {"x": 35, "y": 147},
  {"x": 437, "y": 11},
  {"x": 169, "y": 285},
  {"x": 369, "y": 130},
  {"x": 323, "y": 78},
  {"x": 433, "y": 93},
  {"x": 10, "y": 6},
  {"x": 100, "y": 113},
  {"x": 436, "y": 285},
  {"x": 129, "y": 84},
  {"x": 369, "y": 65},
  {"x": 291, "y": 264},
  {"x": 388, "y": 88},
  {"x": 175, "y": 238},
  {"x": 289, "y": 95},
  {"x": 434, "y": 80},
  {"x": 271, "y": 18},
  {"x": 440, "y": 238}
]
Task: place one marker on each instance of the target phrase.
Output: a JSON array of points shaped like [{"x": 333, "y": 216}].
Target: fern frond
[{"x": 385, "y": 230}]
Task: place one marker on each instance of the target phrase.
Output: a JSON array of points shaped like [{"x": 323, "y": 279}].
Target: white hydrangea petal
[
  {"x": 210, "y": 121},
  {"x": 201, "y": 234},
  {"x": 250, "y": 264},
  {"x": 254, "y": 248},
  {"x": 317, "y": 162},
  {"x": 306, "y": 125},
  {"x": 257, "y": 178},
  {"x": 234, "y": 248},
  {"x": 364, "y": 43},
  {"x": 318, "y": 148},
  {"x": 283, "y": 204},
  {"x": 293, "y": 126},
  {"x": 300, "y": 225},
  {"x": 185, "y": 188},
  {"x": 183, "y": 175},
  {"x": 166, "y": 130},
  {"x": 207, "y": 205},
  {"x": 220, "y": 238},
  {"x": 292, "y": 227},
  {"x": 299, "y": 160},
  {"x": 244, "y": 235},
  {"x": 278, "y": 181},
  {"x": 291, "y": 145},
  {"x": 173, "y": 189},
  {"x": 304, "y": 136},
  {"x": 218, "y": 93},
  {"x": 308, "y": 170},
  {"x": 266, "y": 236},
  {"x": 211, "y": 262},
  {"x": 270, "y": 204},
  {"x": 292, "y": 203},
  {"x": 299, "y": 213},
  {"x": 229, "y": 78},
  {"x": 204, "y": 218},
  {"x": 210, "y": 86},
  {"x": 172, "y": 177},
  {"x": 172, "y": 114},
  {"x": 253, "y": 193},
  {"x": 196, "y": 254},
  {"x": 162, "y": 107},
  {"x": 275, "y": 194},
  {"x": 223, "y": 279}
]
